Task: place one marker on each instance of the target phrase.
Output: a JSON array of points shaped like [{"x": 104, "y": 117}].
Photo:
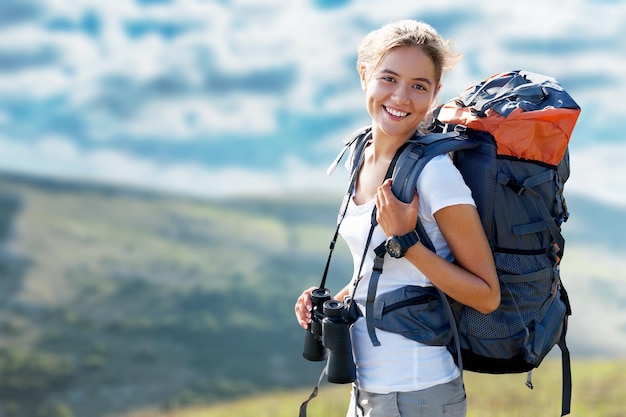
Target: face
[{"x": 400, "y": 92}]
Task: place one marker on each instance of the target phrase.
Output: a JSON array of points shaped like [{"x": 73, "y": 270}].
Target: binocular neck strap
[
  {"x": 374, "y": 223},
  {"x": 356, "y": 166},
  {"x": 377, "y": 269},
  {"x": 304, "y": 405}
]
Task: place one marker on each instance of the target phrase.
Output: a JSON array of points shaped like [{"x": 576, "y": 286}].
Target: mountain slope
[
  {"x": 143, "y": 298},
  {"x": 115, "y": 299}
]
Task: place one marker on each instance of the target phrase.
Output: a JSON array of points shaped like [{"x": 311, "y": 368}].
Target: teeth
[{"x": 396, "y": 112}]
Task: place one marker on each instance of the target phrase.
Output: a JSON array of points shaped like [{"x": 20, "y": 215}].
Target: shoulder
[
  {"x": 440, "y": 169},
  {"x": 441, "y": 185}
]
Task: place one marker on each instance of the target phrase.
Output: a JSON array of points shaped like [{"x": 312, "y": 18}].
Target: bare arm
[{"x": 472, "y": 280}]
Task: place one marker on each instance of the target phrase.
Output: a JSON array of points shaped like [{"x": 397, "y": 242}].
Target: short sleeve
[{"x": 441, "y": 185}]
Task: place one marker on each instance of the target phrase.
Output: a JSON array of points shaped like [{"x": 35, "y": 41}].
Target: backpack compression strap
[
  {"x": 567, "y": 372},
  {"x": 548, "y": 223}
]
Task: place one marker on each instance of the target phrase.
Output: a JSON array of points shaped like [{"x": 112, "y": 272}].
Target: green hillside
[
  {"x": 598, "y": 392},
  {"x": 116, "y": 299}
]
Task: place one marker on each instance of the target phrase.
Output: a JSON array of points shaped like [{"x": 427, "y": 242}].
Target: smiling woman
[
  {"x": 400, "y": 68},
  {"x": 399, "y": 93}
]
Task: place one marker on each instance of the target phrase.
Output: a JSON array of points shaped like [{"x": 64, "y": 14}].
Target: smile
[{"x": 396, "y": 113}]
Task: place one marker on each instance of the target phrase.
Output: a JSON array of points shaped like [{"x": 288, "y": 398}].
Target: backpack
[
  {"x": 509, "y": 137},
  {"x": 521, "y": 123}
]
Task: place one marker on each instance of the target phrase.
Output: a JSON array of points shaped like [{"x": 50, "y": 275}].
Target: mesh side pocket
[
  {"x": 525, "y": 299},
  {"x": 526, "y": 283},
  {"x": 484, "y": 326},
  {"x": 515, "y": 264},
  {"x": 520, "y": 300}
]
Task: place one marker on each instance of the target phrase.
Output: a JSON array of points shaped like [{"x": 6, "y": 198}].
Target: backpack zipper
[{"x": 420, "y": 299}]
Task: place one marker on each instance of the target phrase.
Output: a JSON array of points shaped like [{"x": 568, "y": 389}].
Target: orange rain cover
[{"x": 540, "y": 135}]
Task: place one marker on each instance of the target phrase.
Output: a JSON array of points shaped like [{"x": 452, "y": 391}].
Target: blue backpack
[{"x": 509, "y": 137}]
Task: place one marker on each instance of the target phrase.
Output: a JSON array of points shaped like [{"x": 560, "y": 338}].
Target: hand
[
  {"x": 395, "y": 217},
  {"x": 303, "y": 308}
]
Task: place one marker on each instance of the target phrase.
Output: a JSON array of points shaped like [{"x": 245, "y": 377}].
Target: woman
[{"x": 401, "y": 66}]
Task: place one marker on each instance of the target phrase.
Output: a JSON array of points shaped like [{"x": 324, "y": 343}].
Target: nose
[{"x": 400, "y": 94}]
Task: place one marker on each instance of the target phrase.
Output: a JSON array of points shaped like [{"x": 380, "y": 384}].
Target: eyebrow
[{"x": 422, "y": 79}]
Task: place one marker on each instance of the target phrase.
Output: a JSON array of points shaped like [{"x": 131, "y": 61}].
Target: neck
[{"x": 385, "y": 146}]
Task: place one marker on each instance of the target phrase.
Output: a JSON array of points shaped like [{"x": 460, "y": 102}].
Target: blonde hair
[{"x": 377, "y": 44}]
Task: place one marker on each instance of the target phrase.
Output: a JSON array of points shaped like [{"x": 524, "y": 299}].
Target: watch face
[{"x": 393, "y": 248}]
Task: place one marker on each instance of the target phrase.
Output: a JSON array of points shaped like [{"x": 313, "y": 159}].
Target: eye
[
  {"x": 388, "y": 79},
  {"x": 419, "y": 87}
]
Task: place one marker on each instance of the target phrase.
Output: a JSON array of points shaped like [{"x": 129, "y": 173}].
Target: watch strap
[
  {"x": 404, "y": 242},
  {"x": 408, "y": 240}
]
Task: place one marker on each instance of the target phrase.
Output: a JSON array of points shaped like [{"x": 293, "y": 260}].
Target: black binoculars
[{"x": 328, "y": 336}]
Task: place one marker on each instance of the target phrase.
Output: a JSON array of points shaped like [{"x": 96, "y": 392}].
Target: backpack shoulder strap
[
  {"x": 419, "y": 152},
  {"x": 411, "y": 161}
]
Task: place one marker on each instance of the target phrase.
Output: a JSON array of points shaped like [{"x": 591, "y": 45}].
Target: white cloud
[
  {"x": 597, "y": 172},
  {"x": 189, "y": 118},
  {"x": 58, "y": 157},
  {"x": 49, "y": 81},
  {"x": 249, "y": 36}
]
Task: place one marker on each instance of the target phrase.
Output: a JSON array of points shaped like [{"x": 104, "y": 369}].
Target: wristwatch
[{"x": 398, "y": 245}]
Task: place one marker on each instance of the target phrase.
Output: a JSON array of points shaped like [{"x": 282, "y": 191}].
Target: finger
[
  {"x": 385, "y": 187},
  {"x": 386, "y": 190},
  {"x": 382, "y": 193},
  {"x": 303, "y": 308},
  {"x": 305, "y": 317},
  {"x": 303, "y": 320}
]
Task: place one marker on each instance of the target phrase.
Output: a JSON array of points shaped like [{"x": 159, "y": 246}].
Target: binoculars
[{"x": 328, "y": 336}]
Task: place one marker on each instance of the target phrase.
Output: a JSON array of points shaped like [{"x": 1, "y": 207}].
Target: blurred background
[
  {"x": 219, "y": 98},
  {"x": 163, "y": 196}
]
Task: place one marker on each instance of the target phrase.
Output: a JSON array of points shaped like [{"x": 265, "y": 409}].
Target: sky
[{"x": 218, "y": 98}]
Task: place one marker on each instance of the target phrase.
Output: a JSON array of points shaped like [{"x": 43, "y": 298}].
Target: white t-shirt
[{"x": 401, "y": 364}]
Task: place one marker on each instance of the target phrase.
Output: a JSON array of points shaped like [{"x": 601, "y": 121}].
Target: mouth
[{"x": 395, "y": 113}]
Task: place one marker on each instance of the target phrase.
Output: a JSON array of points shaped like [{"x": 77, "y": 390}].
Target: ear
[
  {"x": 435, "y": 94},
  {"x": 362, "y": 73},
  {"x": 437, "y": 90}
]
